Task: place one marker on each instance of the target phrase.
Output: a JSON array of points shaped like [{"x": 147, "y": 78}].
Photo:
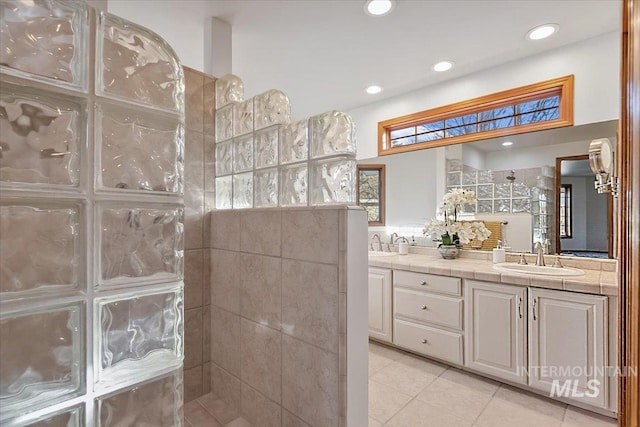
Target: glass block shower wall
[
  {"x": 264, "y": 159},
  {"x": 91, "y": 219}
]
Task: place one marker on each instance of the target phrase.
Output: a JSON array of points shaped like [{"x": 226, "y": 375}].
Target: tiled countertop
[{"x": 602, "y": 281}]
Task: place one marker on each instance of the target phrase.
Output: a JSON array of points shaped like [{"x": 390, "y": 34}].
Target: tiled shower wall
[
  {"x": 91, "y": 220},
  {"x": 198, "y": 192},
  {"x": 284, "y": 283}
]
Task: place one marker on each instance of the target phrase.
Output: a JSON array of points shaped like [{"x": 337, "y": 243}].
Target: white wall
[
  {"x": 594, "y": 62},
  {"x": 523, "y": 158}
]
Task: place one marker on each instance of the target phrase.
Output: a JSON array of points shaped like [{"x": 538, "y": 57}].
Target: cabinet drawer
[
  {"x": 427, "y": 282},
  {"x": 429, "y": 341},
  {"x": 429, "y": 308}
]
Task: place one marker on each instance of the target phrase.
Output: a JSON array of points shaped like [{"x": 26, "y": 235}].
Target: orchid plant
[{"x": 451, "y": 231}]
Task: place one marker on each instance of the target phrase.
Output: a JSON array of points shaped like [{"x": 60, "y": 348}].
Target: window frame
[
  {"x": 568, "y": 208},
  {"x": 381, "y": 198},
  {"x": 562, "y": 87}
]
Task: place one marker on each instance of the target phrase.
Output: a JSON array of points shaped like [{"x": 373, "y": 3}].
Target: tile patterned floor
[{"x": 408, "y": 391}]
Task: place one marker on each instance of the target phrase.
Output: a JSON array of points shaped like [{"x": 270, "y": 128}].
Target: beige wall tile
[
  {"x": 226, "y": 407},
  {"x": 193, "y": 277},
  {"x": 193, "y": 218},
  {"x": 225, "y": 280},
  {"x": 300, "y": 227},
  {"x": 192, "y": 383},
  {"x": 261, "y": 358},
  {"x": 206, "y": 277},
  {"x": 225, "y": 230},
  {"x": 209, "y": 95},
  {"x": 209, "y": 165},
  {"x": 310, "y": 303},
  {"x": 260, "y": 232},
  {"x": 225, "y": 340},
  {"x": 206, "y": 333},
  {"x": 259, "y": 410},
  {"x": 290, "y": 420},
  {"x": 193, "y": 99},
  {"x": 194, "y": 161},
  {"x": 196, "y": 416},
  {"x": 260, "y": 295},
  {"x": 310, "y": 382},
  {"x": 192, "y": 338},
  {"x": 206, "y": 378}
]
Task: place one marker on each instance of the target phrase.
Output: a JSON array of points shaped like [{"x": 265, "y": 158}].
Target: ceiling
[{"x": 323, "y": 53}]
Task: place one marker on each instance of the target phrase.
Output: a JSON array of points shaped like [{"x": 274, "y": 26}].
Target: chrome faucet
[
  {"x": 377, "y": 236},
  {"x": 391, "y": 239},
  {"x": 540, "y": 256}
]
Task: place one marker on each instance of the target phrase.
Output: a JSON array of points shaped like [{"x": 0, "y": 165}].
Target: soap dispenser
[{"x": 499, "y": 254}]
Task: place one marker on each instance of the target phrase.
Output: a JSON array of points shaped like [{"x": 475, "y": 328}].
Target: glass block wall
[
  {"x": 91, "y": 219},
  {"x": 264, "y": 159}
]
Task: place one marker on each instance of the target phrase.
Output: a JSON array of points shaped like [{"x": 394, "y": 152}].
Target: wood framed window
[
  {"x": 565, "y": 212},
  {"x": 540, "y": 106},
  {"x": 370, "y": 192}
]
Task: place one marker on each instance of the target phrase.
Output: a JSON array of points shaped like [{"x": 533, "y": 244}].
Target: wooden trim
[
  {"x": 562, "y": 86},
  {"x": 628, "y": 220},
  {"x": 557, "y": 197},
  {"x": 381, "y": 169}
]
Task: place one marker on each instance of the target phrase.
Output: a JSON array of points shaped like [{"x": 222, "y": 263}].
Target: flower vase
[{"x": 448, "y": 251}]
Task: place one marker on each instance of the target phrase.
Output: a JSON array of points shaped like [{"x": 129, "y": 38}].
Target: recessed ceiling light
[
  {"x": 507, "y": 143},
  {"x": 378, "y": 7},
  {"x": 542, "y": 31},
  {"x": 443, "y": 66},
  {"x": 373, "y": 89}
]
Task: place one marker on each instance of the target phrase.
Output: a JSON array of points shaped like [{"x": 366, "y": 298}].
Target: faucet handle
[
  {"x": 522, "y": 260},
  {"x": 557, "y": 263}
]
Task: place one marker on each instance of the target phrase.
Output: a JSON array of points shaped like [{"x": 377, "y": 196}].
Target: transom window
[{"x": 540, "y": 106}]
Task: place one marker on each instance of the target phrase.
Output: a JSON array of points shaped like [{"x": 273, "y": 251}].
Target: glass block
[
  {"x": 139, "y": 150},
  {"x": 454, "y": 178},
  {"x": 137, "y": 334},
  {"x": 224, "y": 118},
  {"x": 267, "y": 142},
  {"x": 270, "y": 108},
  {"x": 293, "y": 184},
  {"x": 332, "y": 181},
  {"x": 538, "y": 235},
  {"x": 243, "y": 190},
  {"x": 140, "y": 244},
  {"x": 41, "y": 357},
  {"x": 331, "y": 133},
  {"x": 224, "y": 192},
  {"x": 501, "y": 205},
  {"x": 502, "y": 191},
  {"x": 469, "y": 177},
  {"x": 485, "y": 206},
  {"x": 294, "y": 143},
  {"x": 266, "y": 188},
  {"x": 535, "y": 208},
  {"x": 41, "y": 137},
  {"x": 521, "y": 205},
  {"x": 45, "y": 41},
  {"x": 243, "y": 153},
  {"x": 156, "y": 403},
  {"x": 243, "y": 120},
  {"x": 68, "y": 417},
  {"x": 469, "y": 208},
  {"x": 137, "y": 65},
  {"x": 224, "y": 158},
  {"x": 520, "y": 190},
  {"x": 47, "y": 236},
  {"x": 485, "y": 177},
  {"x": 485, "y": 191},
  {"x": 229, "y": 89},
  {"x": 454, "y": 165}
]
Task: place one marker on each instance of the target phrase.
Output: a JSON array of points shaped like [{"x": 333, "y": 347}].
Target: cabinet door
[
  {"x": 495, "y": 330},
  {"x": 567, "y": 345},
  {"x": 380, "y": 304}
]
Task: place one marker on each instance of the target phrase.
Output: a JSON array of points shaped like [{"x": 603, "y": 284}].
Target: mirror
[{"x": 515, "y": 185}]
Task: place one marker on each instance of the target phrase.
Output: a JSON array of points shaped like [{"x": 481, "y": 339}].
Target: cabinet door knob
[
  {"x": 423, "y": 283},
  {"x": 424, "y": 341},
  {"x": 424, "y": 307}
]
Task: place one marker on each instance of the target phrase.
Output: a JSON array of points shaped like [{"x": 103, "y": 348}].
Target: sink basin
[
  {"x": 535, "y": 269},
  {"x": 380, "y": 253}
]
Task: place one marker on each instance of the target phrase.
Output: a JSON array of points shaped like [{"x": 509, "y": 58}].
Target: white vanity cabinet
[
  {"x": 380, "y": 315},
  {"x": 428, "y": 315},
  {"x": 568, "y": 345},
  {"x": 495, "y": 330}
]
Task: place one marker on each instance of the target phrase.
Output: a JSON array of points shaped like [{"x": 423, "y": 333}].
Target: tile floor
[{"x": 409, "y": 391}]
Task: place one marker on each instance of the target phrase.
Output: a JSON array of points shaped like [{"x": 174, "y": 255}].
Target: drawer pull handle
[
  {"x": 423, "y": 284},
  {"x": 424, "y": 341},
  {"x": 424, "y": 307}
]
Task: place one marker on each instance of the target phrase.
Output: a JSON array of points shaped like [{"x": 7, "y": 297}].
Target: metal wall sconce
[{"x": 602, "y": 162}]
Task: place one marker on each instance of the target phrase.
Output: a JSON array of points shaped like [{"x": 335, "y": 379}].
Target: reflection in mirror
[
  {"x": 370, "y": 192},
  {"x": 583, "y": 216}
]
